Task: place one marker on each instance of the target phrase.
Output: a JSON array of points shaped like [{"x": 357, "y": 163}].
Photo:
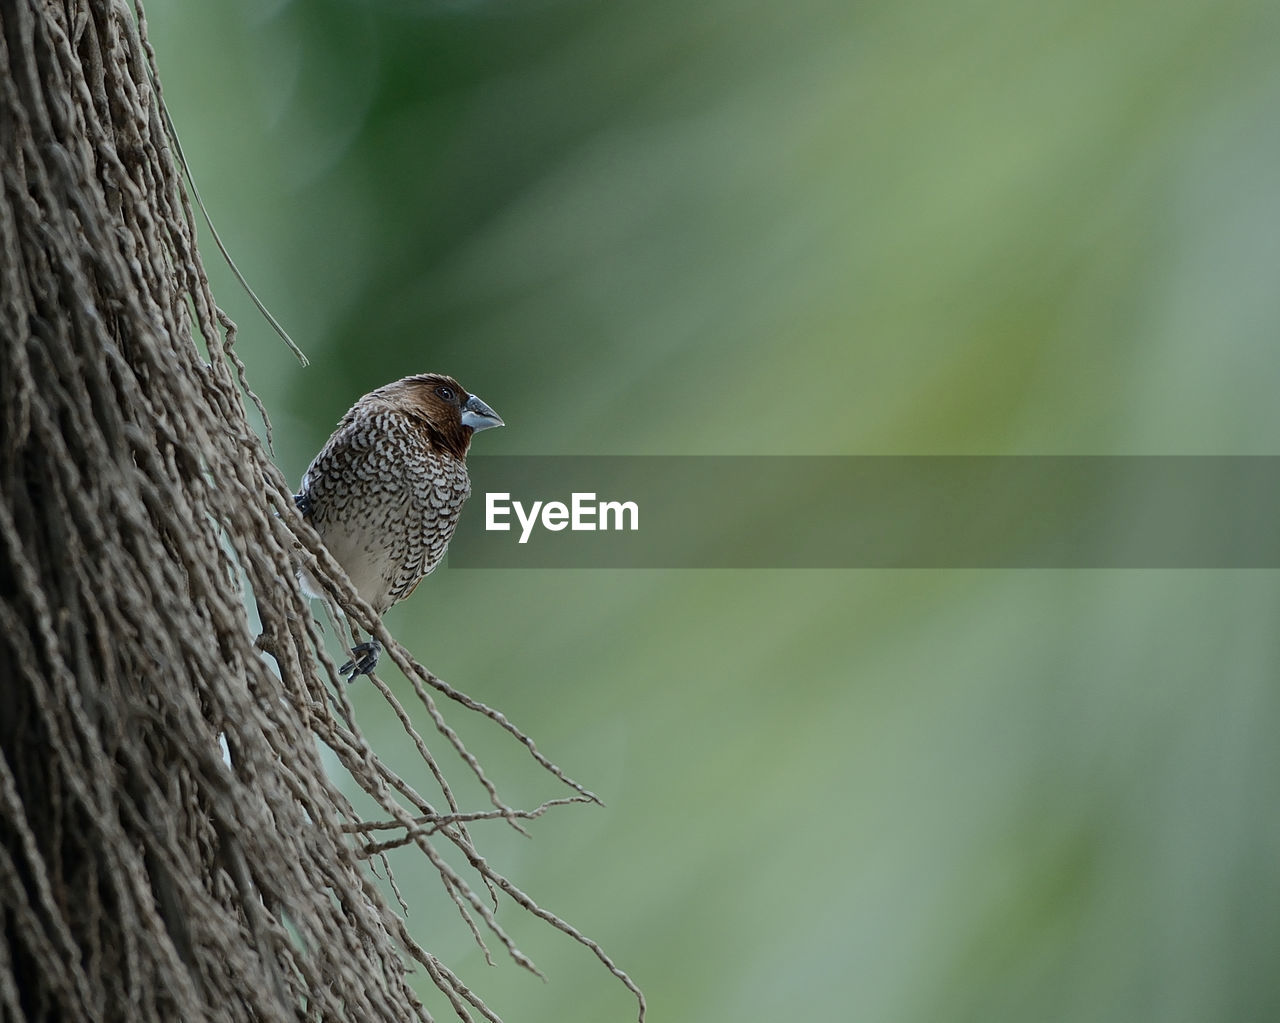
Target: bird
[{"x": 386, "y": 490}]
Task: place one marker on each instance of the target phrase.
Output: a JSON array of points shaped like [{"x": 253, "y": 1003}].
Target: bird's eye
[{"x": 445, "y": 392}]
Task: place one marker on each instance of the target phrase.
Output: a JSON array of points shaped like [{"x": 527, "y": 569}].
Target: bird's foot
[
  {"x": 302, "y": 501},
  {"x": 364, "y": 658}
]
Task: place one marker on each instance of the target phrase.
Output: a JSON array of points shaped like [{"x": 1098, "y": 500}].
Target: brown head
[{"x": 446, "y": 410}]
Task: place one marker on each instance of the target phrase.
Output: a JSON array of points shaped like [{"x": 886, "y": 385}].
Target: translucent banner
[{"x": 871, "y": 512}]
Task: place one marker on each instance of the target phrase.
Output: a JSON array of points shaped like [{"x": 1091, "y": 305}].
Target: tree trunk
[{"x": 142, "y": 877}]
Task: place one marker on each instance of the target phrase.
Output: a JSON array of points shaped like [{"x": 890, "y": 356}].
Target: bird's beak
[{"x": 479, "y": 416}]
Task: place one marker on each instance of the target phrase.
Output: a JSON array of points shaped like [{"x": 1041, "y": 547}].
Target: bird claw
[
  {"x": 303, "y": 503},
  {"x": 364, "y": 658}
]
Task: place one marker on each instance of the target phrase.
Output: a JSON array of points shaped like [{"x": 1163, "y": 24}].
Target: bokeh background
[{"x": 811, "y": 227}]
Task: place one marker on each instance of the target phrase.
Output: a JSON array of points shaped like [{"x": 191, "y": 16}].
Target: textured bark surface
[{"x": 172, "y": 847}]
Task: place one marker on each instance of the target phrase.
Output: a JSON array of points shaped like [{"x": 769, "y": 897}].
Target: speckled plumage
[{"x": 386, "y": 490}]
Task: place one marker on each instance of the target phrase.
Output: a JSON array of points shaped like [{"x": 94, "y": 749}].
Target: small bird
[{"x": 387, "y": 488}]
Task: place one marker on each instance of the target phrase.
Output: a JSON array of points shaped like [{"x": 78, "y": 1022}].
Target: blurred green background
[{"x": 812, "y": 227}]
